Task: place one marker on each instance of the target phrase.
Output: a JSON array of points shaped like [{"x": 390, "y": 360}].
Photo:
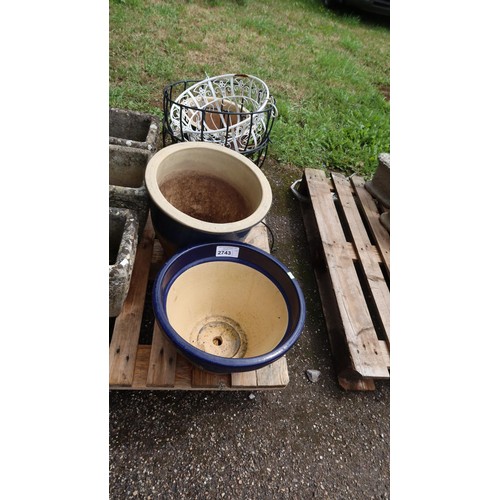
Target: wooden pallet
[
  {"x": 351, "y": 259},
  {"x": 159, "y": 366}
]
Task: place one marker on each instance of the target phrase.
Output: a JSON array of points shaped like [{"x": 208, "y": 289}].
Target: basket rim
[{"x": 230, "y": 76}]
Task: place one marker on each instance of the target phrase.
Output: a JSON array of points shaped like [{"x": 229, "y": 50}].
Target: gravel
[{"x": 309, "y": 440}]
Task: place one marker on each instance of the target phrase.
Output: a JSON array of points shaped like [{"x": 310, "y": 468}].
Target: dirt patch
[
  {"x": 386, "y": 92},
  {"x": 205, "y": 197}
]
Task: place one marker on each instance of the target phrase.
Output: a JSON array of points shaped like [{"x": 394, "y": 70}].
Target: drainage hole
[{"x": 217, "y": 340}]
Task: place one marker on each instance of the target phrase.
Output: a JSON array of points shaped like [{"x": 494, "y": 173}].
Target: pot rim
[
  {"x": 220, "y": 363},
  {"x": 199, "y": 225}
]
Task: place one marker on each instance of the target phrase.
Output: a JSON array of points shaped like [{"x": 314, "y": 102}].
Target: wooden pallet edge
[{"x": 184, "y": 377}]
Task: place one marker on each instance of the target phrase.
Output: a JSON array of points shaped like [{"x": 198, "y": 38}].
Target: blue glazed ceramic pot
[
  {"x": 228, "y": 306},
  {"x": 202, "y": 192}
]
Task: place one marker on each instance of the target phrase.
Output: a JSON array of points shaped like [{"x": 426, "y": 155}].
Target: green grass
[{"x": 328, "y": 71}]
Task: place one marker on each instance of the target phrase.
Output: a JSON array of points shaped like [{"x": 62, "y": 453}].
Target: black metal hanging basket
[{"x": 233, "y": 110}]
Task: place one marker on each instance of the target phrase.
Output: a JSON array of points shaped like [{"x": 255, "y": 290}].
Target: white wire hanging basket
[{"x": 234, "y": 110}]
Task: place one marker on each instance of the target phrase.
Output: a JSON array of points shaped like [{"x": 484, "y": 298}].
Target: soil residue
[{"x": 205, "y": 197}]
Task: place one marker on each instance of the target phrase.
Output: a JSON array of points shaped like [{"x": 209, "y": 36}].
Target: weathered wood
[
  {"x": 350, "y": 381},
  {"x": 371, "y": 268},
  {"x": 202, "y": 378},
  {"x": 244, "y": 379},
  {"x": 162, "y": 361},
  {"x": 183, "y": 373},
  {"x": 141, "y": 366},
  {"x": 358, "y": 354},
  {"x": 358, "y": 326},
  {"x": 370, "y": 211},
  {"x": 273, "y": 375},
  {"x": 123, "y": 347},
  {"x": 331, "y": 313}
]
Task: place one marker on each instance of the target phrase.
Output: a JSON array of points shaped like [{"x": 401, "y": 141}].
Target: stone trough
[
  {"x": 133, "y": 129},
  {"x": 123, "y": 238},
  {"x": 127, "y": 166}
]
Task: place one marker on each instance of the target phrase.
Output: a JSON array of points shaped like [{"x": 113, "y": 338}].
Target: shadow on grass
[{"x": 365, "y": 18}]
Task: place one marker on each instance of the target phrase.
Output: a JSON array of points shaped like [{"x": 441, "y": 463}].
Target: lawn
[{"x": 327, "y": 70}]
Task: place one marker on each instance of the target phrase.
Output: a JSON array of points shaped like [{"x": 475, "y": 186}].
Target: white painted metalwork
[{"x": 230, "y": 109}]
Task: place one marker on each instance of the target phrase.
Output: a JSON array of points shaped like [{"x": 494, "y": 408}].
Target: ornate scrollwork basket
[{"x": 233, "y": 110}]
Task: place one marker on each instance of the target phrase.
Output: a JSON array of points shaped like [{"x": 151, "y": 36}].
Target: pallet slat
[
  {"x": 162, "y": 361},
  {"x": 273, "y": 375},
  {"x": 159, "y": 365},
  {"x": 201, "y": 378},
  {"x": 370, "y": 211},
  {"x": 359, "y": 355},
  {"x": 244, "y": 379},
  {"x": 373, "y": 272},
  {"x": 123, "y": 347}
]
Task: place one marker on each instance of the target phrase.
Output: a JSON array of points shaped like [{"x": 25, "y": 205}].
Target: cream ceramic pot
[{"x": 203, "y": 192}]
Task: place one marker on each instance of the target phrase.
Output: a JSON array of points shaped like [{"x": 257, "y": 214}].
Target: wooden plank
[
  {"x": 321, "y": 195},
  {"x": 350, "y": 381},
  {"x": 123, "y": 346},
  {"x": 349, "y": 249},
  {"x": 372, "y": 271},
  {"x": 273, "y": 375},
  {"x": 331, "y": 314},
  {"x": 379, "y": 233},
  {"x": 162, "y": 361},
  {"x": 141, "y": 366},
  {"x": 358, "y": 326},
  {"x": 244, "y": 379},
  {"x": 202, "y": 378},
  {"x": 384, "y": 351},
  {"x": 183, "y": 373}
]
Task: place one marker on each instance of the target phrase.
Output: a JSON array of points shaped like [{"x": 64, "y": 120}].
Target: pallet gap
[
  {"x": 387, "y": 278},
  {"x": 370, "y": 302},
  {"x": 148, "y": 319},
  {"x": 111, "y": 328}
]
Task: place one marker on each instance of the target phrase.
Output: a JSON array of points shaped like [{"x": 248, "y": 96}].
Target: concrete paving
[{"x": 309, "y": 440}]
